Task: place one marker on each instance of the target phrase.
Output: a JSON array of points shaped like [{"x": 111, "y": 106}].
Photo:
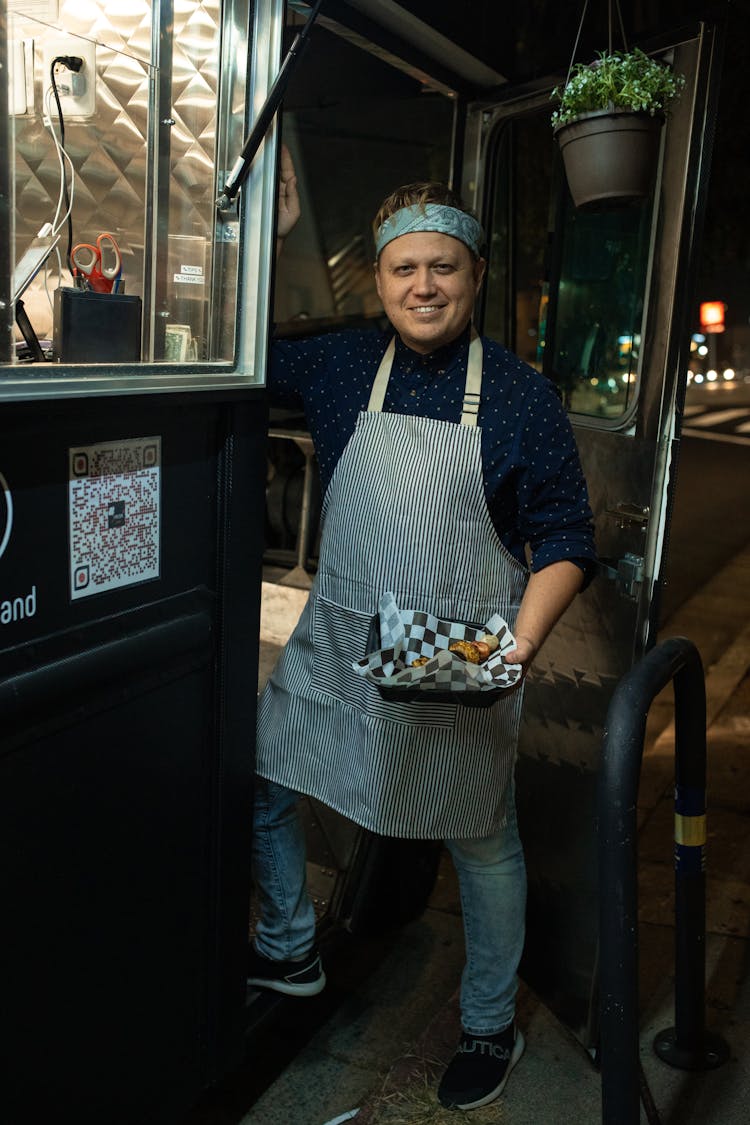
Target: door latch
[
  {"x": 626, "y": 572},
  {"x": 629, "y": 515}
]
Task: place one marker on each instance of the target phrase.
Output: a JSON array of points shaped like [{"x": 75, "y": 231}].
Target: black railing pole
[
  {"x": 688, "y": 1045},
  {"x": 674, "y": 659},
  {"x": 618, "y": 902}
]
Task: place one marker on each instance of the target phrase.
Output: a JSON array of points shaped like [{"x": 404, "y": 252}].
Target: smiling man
[
  {"x": 446, "y": 465},
  {"x": 428, "y": 283}
]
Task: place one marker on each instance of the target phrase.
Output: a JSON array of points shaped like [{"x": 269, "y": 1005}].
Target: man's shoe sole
[
  {"x": 288, "y": 985},
  {"x": 311, "y": 989}
]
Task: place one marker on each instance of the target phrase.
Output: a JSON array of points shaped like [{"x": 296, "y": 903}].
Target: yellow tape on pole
[{"x": 690, "y": 830}]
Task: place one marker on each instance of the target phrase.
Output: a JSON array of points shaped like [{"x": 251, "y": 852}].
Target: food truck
[{"x": 141, "y": 495}]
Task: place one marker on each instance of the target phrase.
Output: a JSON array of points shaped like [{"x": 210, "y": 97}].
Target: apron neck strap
[
  {"x": 380, "y": 386},
  {"x": 472, "y": 388}
]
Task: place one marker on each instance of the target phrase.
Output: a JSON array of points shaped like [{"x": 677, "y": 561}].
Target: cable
[
  {"x": 58, "y": 150},
  {"x": 61, "y": 119},
  {"x": 62, "y": 156},
  {"x": 72, "y": 62}
]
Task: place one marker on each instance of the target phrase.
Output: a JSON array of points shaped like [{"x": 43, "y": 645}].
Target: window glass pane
[
  {"x": 131, "y": 150},
  {"x": 599, "y": 309},
  {"x": 565, "y": 287}
]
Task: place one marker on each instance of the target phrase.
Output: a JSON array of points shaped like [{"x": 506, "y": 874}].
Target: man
[{"x": 443, "y": 458}]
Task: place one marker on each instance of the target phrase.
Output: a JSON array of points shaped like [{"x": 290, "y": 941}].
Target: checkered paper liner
[{"x": 409, "y": 633}]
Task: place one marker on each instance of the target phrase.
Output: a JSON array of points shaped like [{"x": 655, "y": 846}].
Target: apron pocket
[{"x": 340, "y": 637}]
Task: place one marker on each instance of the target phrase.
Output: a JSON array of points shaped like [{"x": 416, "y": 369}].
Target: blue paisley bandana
[{"x": 431, "y": 217}]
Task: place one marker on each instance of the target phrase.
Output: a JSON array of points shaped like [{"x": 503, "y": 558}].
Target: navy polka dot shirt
[{"x": 533, "y": 481}]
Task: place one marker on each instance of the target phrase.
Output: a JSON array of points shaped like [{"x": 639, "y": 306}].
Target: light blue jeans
[{"x": 492, "y": 881}]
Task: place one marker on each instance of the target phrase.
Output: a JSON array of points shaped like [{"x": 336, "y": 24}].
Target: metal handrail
[{"x": 688, "y": 1045}]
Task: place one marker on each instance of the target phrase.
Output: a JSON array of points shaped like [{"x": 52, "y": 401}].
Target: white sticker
[
  {"x": 114, "y": 514},
  {"x": 188, "y": 279},
  {"x": 192, "y": 269}
]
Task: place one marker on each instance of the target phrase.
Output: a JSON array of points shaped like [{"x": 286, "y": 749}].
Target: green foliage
[{"x": 621, "y": 80}]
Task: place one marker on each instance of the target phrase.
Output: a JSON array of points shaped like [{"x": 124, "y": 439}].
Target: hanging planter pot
[
  {"x": 608, "y": 123},
  {"x": 610, "y": 155}
]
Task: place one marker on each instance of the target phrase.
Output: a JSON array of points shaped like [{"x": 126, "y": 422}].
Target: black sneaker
[
  {"x": 293, "y": 978},
  {"x": 480, "y": 1068}
]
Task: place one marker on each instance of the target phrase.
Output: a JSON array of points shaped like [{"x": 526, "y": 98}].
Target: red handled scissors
[{"x": 99, "y": 266}]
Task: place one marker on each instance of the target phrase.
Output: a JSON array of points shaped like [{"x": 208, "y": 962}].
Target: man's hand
[
  {"x": 522, "y": 654},
  {"x": 289, "y": 208},
  {"x": 548, "y": 594}
]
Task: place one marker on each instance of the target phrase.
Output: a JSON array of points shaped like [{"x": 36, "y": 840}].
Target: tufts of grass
[{"x": 417, "y": 1104}]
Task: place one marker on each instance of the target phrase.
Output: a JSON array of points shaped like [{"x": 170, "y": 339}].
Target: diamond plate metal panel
[
  {"x": 114, "y": 153},
  {"x": 108, "y": 152}
]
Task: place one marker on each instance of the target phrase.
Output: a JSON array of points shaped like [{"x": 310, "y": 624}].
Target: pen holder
[{"x": 96, "y": 327}]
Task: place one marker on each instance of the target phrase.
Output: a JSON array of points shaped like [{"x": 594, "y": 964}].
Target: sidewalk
[{"x": 388, "y": 1039}]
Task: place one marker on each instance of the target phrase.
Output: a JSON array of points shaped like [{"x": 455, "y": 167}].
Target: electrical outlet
[{"x": 77, "y": 90}]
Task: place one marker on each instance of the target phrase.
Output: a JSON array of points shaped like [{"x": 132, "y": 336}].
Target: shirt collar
[{"x": 442, "y": 358}]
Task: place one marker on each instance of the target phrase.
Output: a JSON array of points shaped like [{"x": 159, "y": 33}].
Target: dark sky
[{"x": 725, "y": 259}]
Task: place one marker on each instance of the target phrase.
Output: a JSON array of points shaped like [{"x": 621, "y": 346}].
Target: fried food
[
  {"x": 475, "y": 652},
  {"x": 467, "y": 649}
]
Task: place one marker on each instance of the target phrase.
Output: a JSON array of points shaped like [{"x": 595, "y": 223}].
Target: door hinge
[{"x": 626, "y": 572}]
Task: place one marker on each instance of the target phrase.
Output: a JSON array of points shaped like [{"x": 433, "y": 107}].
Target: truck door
[{"x": 600, "y": 302}]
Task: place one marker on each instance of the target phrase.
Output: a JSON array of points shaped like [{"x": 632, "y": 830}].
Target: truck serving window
[{"x": 122, "y": 124}]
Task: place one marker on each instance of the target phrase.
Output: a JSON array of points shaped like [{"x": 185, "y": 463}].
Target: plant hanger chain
[
  {"x": 609, "y": 31},
  {"x": 622, "y": 25}
]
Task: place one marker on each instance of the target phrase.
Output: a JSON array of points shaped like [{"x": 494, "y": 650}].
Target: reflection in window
[
  {"x": 596, "y": 337},
  {"x": 565, "y": 287}
]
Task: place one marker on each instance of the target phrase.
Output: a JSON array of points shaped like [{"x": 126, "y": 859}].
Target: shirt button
[{"x": 413, "y": 394}]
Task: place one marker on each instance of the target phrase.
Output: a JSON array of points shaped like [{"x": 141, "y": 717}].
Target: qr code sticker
[{"x": 114, "y": 515}]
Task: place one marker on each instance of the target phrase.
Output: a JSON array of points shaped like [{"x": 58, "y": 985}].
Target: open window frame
[{"x": 237, "y": 245}]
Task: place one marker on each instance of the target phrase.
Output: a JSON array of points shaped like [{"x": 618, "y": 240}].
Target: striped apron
[{"x": 405, "y": 511}]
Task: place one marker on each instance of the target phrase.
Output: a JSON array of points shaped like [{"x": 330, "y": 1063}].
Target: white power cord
[
  {"x": 57, "y": 222},
  {"x": 352, "y": 1113}
]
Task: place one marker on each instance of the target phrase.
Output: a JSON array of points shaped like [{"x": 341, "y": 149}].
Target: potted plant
[{"x": 608, "y": 123}]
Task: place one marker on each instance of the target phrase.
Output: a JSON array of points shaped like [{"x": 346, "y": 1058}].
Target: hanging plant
[
  {"x": 620, "y": 80},
  {"x": 608, "y": 123}
]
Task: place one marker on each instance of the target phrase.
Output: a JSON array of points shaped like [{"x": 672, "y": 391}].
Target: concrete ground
[{"x": 385, "y": 1034}]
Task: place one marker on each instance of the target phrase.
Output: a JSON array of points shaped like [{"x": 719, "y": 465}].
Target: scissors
[{"x": 100, "y": 266}]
